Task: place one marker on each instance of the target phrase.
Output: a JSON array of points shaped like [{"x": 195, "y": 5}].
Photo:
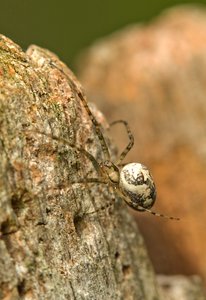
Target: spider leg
[
  {"x": 128, "y": 201},
  {"x": 64, "y": 141},
  {"x": 91, "y": 180},
  {"x": 83, "y": 181},
  {"x": 97, "y": 127},
  {"x": 131, "y": 140},
  {"x": 98, "y": 181},
  {"x": 159, "y": 215}
]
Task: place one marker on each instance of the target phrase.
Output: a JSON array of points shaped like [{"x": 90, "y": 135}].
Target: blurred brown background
[{"x": 154, "y": 76}]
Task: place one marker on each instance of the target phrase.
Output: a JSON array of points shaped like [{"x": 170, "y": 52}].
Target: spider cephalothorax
[{"x": 112, "y": 171}]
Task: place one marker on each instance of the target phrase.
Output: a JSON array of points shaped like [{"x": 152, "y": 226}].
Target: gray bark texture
[{"x": 59, "y": 239}]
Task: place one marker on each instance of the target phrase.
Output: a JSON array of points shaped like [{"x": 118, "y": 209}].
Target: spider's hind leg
[{"x": 160, "y": 215}]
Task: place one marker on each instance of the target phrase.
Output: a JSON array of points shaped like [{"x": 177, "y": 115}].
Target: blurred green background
[{"x": 66, "y": 27}]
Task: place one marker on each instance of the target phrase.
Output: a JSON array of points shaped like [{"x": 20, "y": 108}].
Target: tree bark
[{"x": 59, "y": 239}]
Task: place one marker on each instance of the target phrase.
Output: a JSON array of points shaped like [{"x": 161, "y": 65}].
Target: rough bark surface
[{"x": 59, "y": 239}]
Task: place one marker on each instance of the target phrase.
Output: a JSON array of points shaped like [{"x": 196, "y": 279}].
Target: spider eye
[{"x": 137, "y": 183}]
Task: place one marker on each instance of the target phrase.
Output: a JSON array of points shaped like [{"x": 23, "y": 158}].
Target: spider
[{"x": 132, "y": 182}]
